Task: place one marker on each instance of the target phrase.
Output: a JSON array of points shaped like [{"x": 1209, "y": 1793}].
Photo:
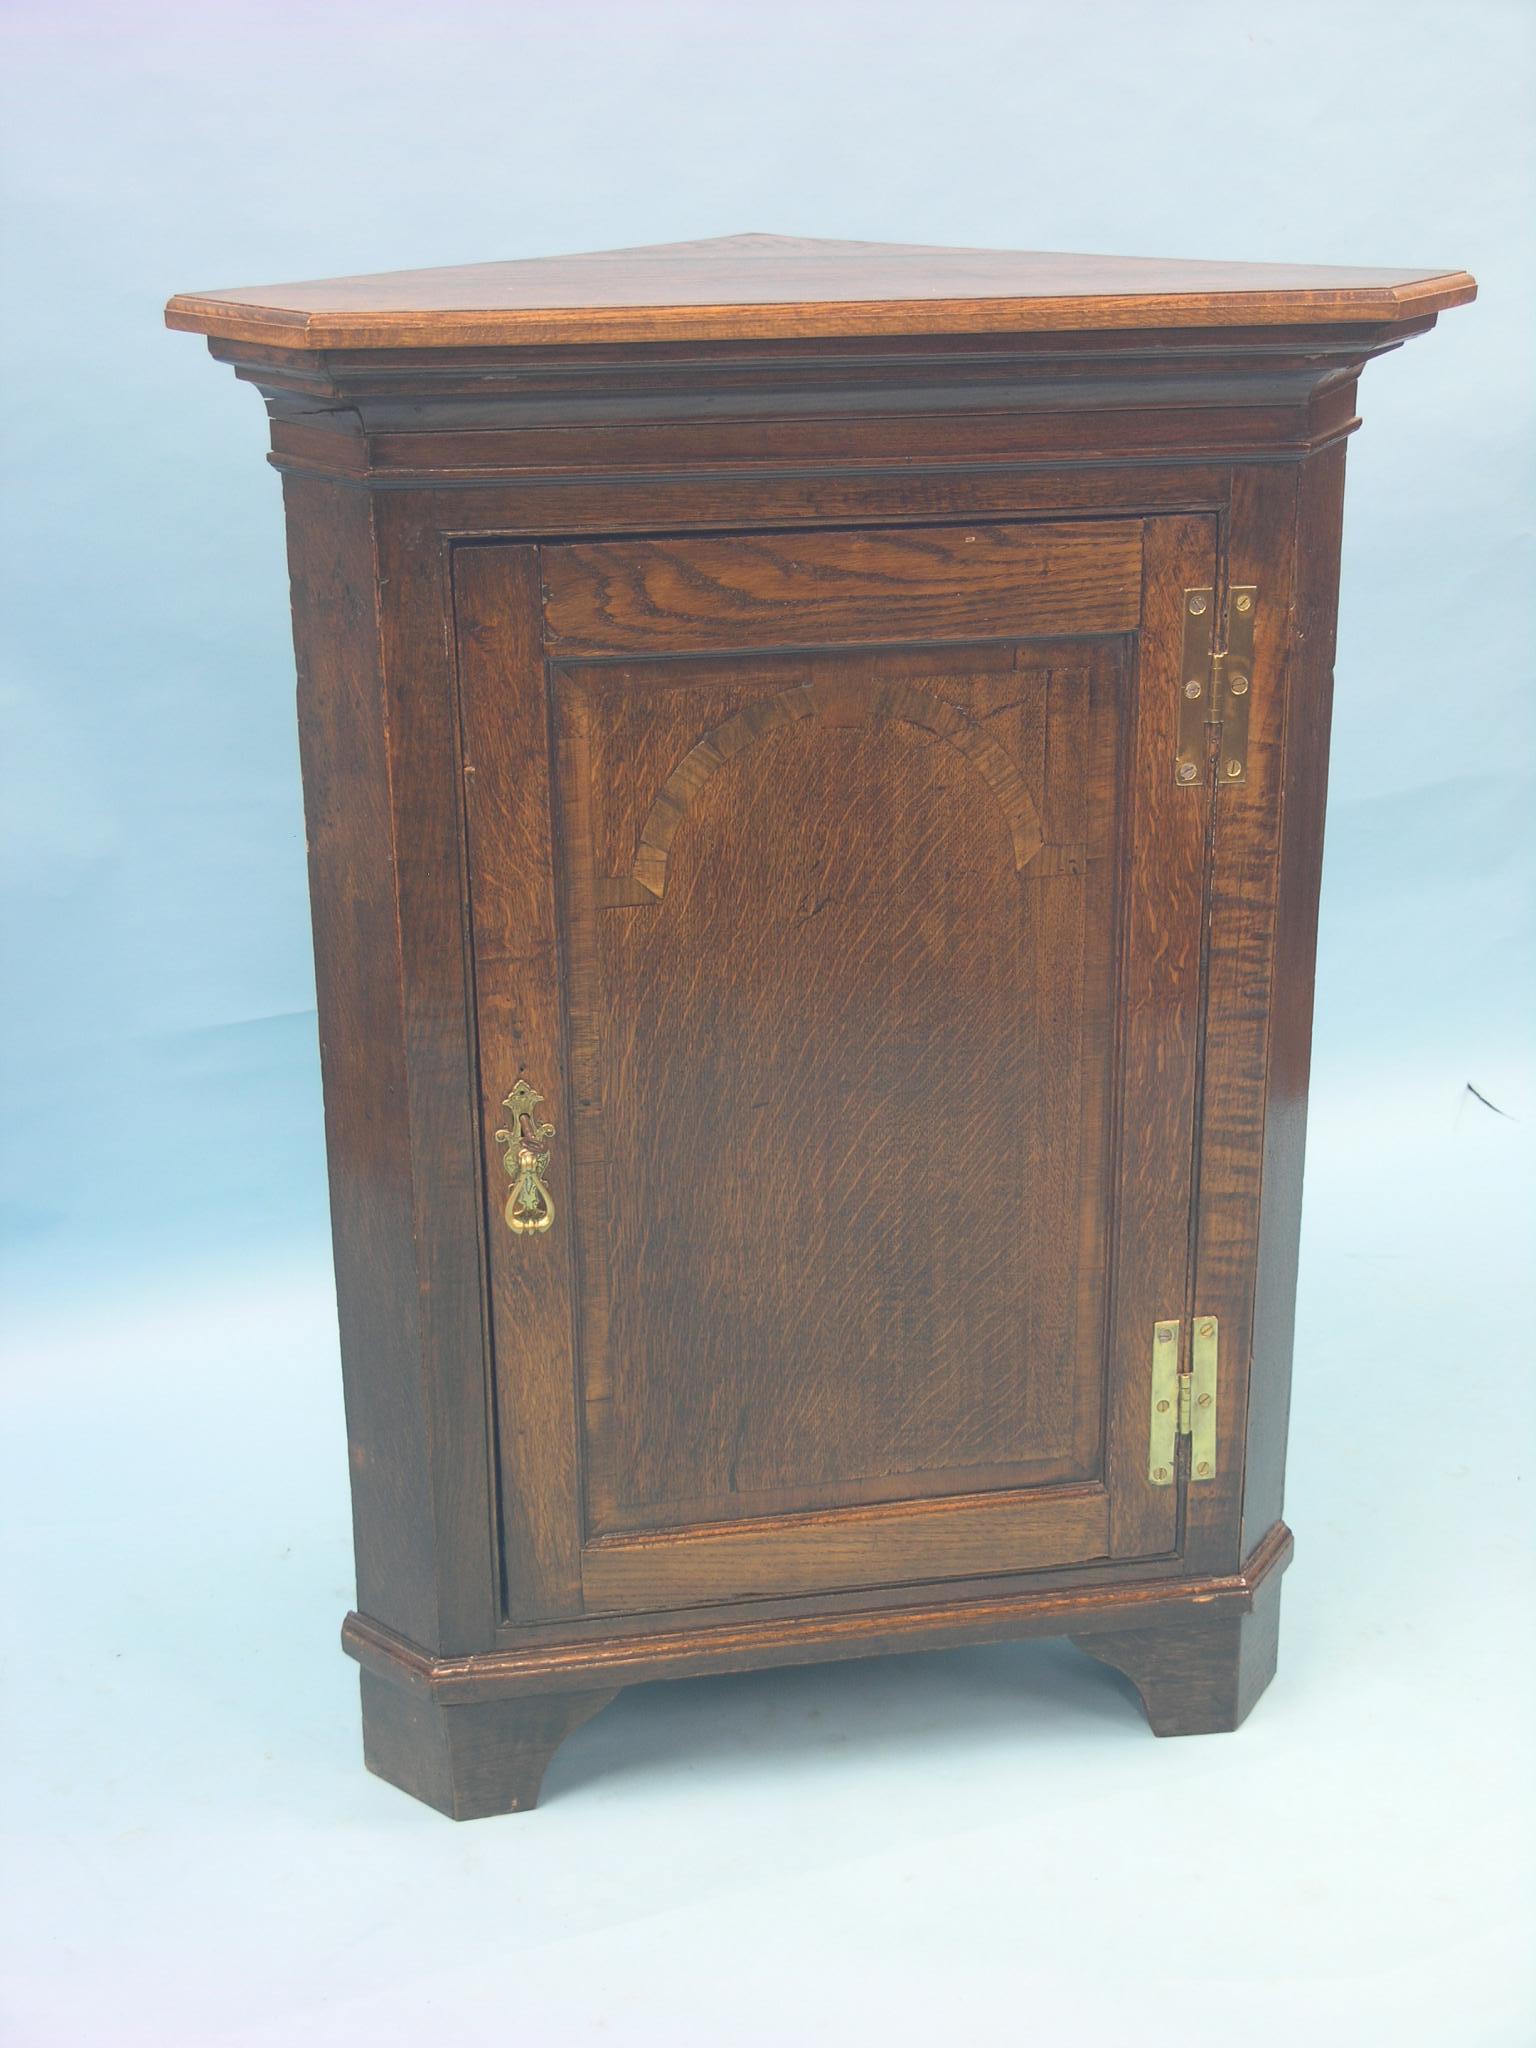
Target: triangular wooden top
[{"x": 780, "y": 287}]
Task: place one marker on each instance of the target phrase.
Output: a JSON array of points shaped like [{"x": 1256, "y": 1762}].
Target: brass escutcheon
[{"x": 529, "y": 1207}]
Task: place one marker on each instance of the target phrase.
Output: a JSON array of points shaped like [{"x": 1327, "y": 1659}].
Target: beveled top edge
[{"x": 773, "y": 287}]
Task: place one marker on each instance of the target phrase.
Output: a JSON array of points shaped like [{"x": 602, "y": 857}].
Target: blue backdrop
[
  {"x": 206, "y": 1862},
  {"x": 160, "y": 1093}
]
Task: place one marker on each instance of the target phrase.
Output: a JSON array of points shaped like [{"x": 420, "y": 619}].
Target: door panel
[
  {"x": 832, "y": 1171},
  {"x": 877, "y": 978}
]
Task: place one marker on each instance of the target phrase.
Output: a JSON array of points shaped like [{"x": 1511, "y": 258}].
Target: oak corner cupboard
[{"x": 814, "y": 758}]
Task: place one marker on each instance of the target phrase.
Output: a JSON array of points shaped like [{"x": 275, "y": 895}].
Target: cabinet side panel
[
  {"x": 1320, "y": 510},
  {"x": 343, "y": 746}
]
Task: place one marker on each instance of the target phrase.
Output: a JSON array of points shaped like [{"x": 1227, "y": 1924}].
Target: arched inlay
[{"x": 845, "y": 701}]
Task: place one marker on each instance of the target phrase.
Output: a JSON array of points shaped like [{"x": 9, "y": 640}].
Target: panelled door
[{"x": 834, "y": 901}]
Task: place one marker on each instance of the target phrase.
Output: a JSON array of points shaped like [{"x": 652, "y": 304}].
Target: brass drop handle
[{"x": 529, "y": 1207}]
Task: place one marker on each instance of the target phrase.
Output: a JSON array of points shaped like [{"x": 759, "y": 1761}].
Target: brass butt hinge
[
  {"x": 1183, "y": 1402},
  {"x": 1216, "y": 684}
]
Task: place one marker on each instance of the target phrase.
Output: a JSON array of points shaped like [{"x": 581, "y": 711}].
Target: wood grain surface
[
  {"x": 1202, "y": 1674},
  {"x": 508, "y": 800},
  {"x": 787, "y": 287},
  {"x": 880, "y": 970},
  {"x": 737, "y": 693},
  {"x": 473, "y": 1758},
  {"x": 773, "y": 590},
  {"x": 1101, "y": 1604},
  {"x": 826, "y": 1199}
]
